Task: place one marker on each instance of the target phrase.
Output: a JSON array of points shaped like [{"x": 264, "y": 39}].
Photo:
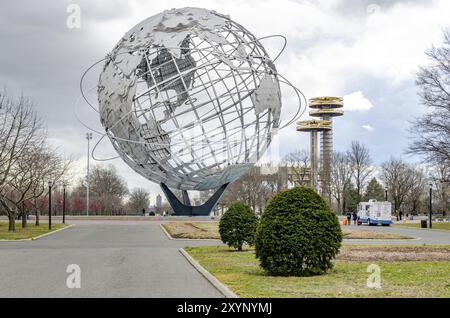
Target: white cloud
[
  {"x": 367, "y": 127},
  {"x": 356, "y": 101}
]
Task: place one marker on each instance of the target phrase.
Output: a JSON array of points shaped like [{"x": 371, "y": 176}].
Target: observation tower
[
  {"x": 313, "y": 127},
  {"x": 325, "y": 108}
]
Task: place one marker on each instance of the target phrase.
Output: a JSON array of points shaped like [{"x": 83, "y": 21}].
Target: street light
[
  {"x": 50, "y": 184},
  {"x": 64, "y": 202},
  {"x": 431, "y": 209},
  {"x": 89, "y": 138}
]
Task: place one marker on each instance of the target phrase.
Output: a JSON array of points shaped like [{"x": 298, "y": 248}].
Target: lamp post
[
  {"x": 89, "y": 138},
  {"x": 64, "y": 202},
  {"x": 385, "y": 194},
  {"x": 431, "y": 209},
  {"x": 50, "y": 184}
]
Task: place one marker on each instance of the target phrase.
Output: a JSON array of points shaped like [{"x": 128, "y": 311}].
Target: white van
[{"x": 375, "y": 212}]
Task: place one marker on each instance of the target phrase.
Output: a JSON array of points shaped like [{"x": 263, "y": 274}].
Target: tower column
[
  {"x": 313, "y": 127},
  {"x": 326, "y": 157},
  {"x": 313, "y": 158}
]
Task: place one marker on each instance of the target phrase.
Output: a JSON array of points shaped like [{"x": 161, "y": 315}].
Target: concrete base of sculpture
[{"x": 185, "y": 208}]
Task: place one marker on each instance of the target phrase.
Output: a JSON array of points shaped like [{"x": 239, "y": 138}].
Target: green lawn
[
  {"x": 241, "y": 273},
  {"x": 30, "y": 231},
  {"x": 435, "y": 225}
]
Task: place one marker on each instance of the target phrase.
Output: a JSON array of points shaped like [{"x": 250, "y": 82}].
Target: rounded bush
[
  {"x": 238, "y": 226},
  {"x": 298, "y": 234}
]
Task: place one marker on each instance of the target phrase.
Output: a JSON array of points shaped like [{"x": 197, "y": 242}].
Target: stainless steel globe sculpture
[{"x": 190, "y": 99}]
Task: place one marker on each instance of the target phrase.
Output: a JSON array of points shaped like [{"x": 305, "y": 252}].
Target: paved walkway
[
  {"x": 117, "y": 259},
  {"x": 422, "y": 236}
]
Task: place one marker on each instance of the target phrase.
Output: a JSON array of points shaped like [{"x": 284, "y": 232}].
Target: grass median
[
  {"x": 29, "y": 232},
  {"x": 403, "y": 273},
  {"x": 210, "y": 230},
  {"x": 193, "y": 230}
]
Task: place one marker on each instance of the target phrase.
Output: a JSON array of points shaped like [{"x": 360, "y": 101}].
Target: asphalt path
[
  {"x": 116, "y": 259},
  {"x": 420, "y": 236}
]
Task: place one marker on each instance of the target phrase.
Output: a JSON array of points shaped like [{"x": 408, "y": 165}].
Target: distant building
[{"x": 158, "y": 201}]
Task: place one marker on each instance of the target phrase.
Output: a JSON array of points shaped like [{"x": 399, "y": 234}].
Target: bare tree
[
  {"x": 20, "y": 130},
  {"x": 298, "y": 162},
  {"x": 400, "y": 179},
  {"x": 440, "y": 177},
  {"x": 21, "y": 182},
  {"x": 432, "y": 130},
  {"x": 252, "y": 189},
  {"x": 341, "y": 173},
  {"x": 360, "y": 162},
  {"x": 108, "y": 189},
  {"x": 138, "y": 200},
  {"x": 47, "y": 165},
  {"x": 415, "y": 196}
]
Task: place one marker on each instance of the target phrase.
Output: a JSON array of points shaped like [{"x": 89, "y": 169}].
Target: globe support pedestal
[{"x": 185, "y": 208}]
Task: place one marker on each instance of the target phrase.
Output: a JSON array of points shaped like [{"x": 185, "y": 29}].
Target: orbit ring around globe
[{"x": 190, "y": 99}]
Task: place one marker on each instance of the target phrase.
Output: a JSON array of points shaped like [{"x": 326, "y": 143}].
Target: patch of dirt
[
  {"x": 355, "y": 233},
  {"x": 394, "y": 253}
]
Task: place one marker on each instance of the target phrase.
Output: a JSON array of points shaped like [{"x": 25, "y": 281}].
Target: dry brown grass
[
  {"x": 394, "y": 253},
  {"x": 193, "y": 230},
  {"x": 355, "y": 233},
  {"x": 210, "y": 230}
]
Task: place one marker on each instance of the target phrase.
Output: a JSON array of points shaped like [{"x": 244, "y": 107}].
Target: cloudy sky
[{"x": 367, "y": 51}]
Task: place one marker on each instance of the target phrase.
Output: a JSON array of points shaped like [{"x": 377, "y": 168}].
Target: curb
[
  {"x": 52, "y": 232},
  {"x": 383, "y": 240},
  {"x": 213, "y": 280},
  {"x": 183, "y": 239},
  {"x": 19, "y": 240},
  {"x": 388, "y": 240},
  {"x": 165, "y": 232},
  {"x": 39, "y": 236}
]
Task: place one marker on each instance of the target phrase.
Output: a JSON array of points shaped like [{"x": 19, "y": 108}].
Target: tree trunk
[
  {"x": 24, "y": 215},
  {"x": 37, "y": 217},
  {"x": 12, "y": 221},
  {"x": 344, "y": 204},
  {"x": 24, "y": 219}
]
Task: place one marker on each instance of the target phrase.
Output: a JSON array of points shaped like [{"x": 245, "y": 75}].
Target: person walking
[
  {"x": 349, "y": 218},
  {"x": 355, "y": 217}
]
